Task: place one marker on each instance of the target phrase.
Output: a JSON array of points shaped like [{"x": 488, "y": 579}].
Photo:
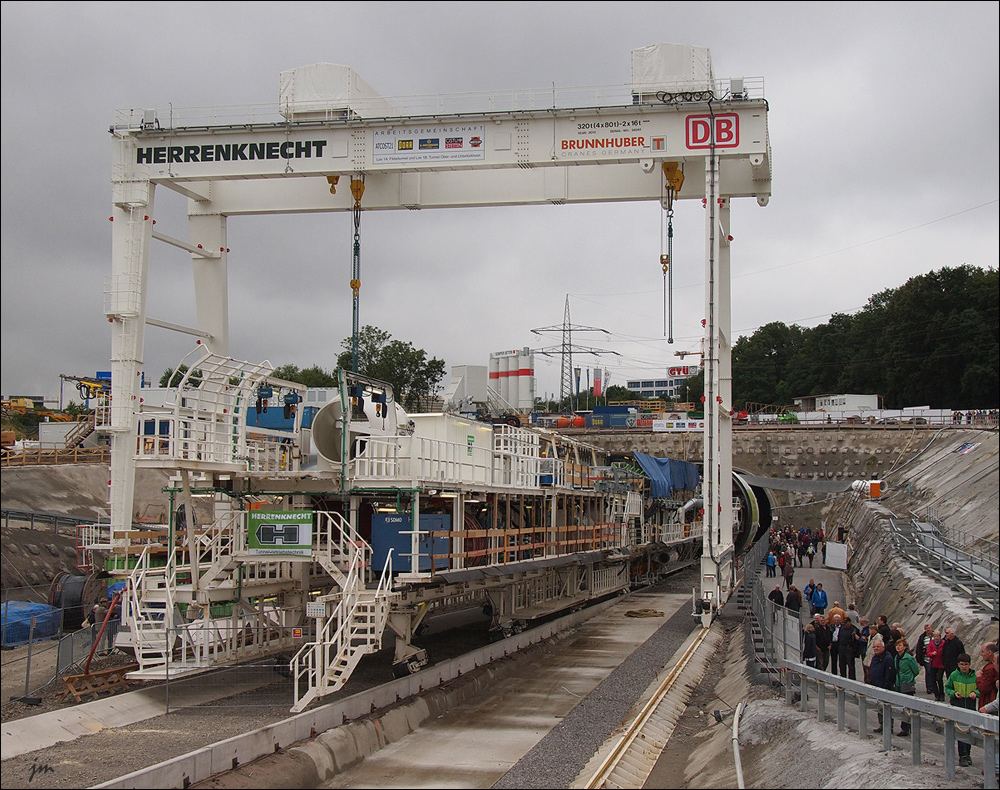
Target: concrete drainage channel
[
  {"x": 626, "y": 760},
  {"x": 336, "y": 736}
]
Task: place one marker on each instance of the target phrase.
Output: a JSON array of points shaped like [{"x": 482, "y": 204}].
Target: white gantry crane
[{"x": 329, "y": 129}]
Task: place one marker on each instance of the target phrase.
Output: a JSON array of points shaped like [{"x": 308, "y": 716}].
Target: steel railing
[
  {"x": 780, "y": 642},
  {"x": 975, "y": 576},
  {"x": 957, "y": 724}
]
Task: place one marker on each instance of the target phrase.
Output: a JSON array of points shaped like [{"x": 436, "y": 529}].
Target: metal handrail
[
  {"x": 974, "y": 726},
  {"x": 511, "y": 100},
  {"x": 980, "y": 726},
  {"x": 962, "y": 571},
  {"x": 961, "y": 558}
]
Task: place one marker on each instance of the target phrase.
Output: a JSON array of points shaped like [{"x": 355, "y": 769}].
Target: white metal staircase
[
  {"x": 353, "y": 627},
  {"x": 167, "y": 641},
  {"x": 149, "y": 611}
]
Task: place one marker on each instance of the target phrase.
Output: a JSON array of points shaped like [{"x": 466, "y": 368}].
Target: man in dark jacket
[
  {"x": 809, "y": 646},
  {"x": 950, "y": 650},
  {"x": 883, "y": 675},
  {"x": 884, "y": 630},
  {"x": 836, "y": 626},
  {"x": 793, "y": 601},
  {"x": 822, "y": 642},
  {"x": 849, "y": 649}
]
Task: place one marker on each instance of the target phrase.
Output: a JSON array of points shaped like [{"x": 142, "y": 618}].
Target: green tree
[
  {"x": 864, "y": 370},
  {"x": 315, "y": 376},
  {"x": 411, "y": 373},
  {"x": 287, "y": 372},
  {"x": 761, "y": 364},
  {"x": 371, "y": 342},
  {"x": 172, "y": 377},
  {"x": 934, "y": 341},
  {"x": 940, "y": 342},
  {"x": 616, "y": 392},
  {"x": 816, "y": 367}
]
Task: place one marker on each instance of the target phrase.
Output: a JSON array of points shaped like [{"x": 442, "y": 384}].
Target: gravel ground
[
  {"x": 108, "y": 754},
  {"x": 48, "y": 695},
  {"x": 105, "y": 755}
]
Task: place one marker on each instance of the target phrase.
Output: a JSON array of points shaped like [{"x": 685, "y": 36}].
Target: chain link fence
[
  {"x": 244, "y": 679},
  {"x": 27, "y": 669}
]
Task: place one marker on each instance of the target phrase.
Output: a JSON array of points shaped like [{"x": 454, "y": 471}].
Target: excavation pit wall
[
  {"x": 883, "y": 583},
  {"x": 834, "y": 454}
]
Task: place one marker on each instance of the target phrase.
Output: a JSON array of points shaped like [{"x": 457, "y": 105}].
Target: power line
[
  {"x": 805, "y": 260},
  {"x": 864, "y": 243},
  {"x": 566, "y": 349}
]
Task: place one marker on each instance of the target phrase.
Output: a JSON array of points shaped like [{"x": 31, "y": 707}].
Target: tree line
[{"x": 934, "y": 341}]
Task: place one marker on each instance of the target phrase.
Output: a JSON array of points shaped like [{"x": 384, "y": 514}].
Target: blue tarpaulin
[
  {"x": 668, "y": 475},
  {"x": 16, "y": 619},
  {"x": 115, "y": 588}
]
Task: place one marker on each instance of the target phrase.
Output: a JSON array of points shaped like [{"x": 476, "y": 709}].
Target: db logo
[{"x": 698, "y": 131}]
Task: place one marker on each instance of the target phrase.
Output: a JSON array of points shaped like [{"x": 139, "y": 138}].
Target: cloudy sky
[{"x": 883, "y": 124}]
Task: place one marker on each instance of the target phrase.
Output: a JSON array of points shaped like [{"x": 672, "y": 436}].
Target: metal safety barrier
[
  {"x": 956, "y": 724},
  {"x": 971, "y": 575},
  {"x": 780, "y": 642}
]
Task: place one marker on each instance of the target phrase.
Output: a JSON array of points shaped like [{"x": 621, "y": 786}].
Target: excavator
[{"x": 89, "y": 387}]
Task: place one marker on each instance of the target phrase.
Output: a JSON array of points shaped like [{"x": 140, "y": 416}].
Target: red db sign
[{"x": 698, "y": 131}]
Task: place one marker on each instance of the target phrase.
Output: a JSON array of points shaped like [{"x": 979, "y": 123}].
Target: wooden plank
[{"x": 151, "y": 548}]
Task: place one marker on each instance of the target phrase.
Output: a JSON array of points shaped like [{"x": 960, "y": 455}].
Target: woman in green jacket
[
  {"x": 906, "y": 673},
  {"x": 961, "y": 688}
]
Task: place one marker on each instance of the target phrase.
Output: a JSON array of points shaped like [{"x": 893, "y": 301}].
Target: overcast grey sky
[{"x": 883, "y": 124}]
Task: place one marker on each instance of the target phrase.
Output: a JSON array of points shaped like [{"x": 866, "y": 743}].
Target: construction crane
[
  {"x": 89, "y": 387},
  {"x": 700, "y": 352}
]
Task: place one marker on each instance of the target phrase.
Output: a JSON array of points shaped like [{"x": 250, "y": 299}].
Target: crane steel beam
[{"x": 560, "y": 156}]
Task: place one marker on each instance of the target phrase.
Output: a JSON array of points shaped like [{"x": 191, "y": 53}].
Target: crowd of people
[
  {"x": 836, "y": 640},
  {"x": 985, "y": 417},
  {"x": 791, "y": 548}
]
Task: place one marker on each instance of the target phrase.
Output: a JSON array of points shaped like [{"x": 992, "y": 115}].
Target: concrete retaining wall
[{"x": 340, "y": 734}]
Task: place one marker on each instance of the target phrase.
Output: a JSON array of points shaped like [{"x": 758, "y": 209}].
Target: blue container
[
  {"x": 393, "y": 531},
  {"x": 618, "y": 420},
  {"x": 274, "y": 418}
]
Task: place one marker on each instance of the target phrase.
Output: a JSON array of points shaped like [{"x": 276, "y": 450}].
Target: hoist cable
[
  {"x": 666, "y": 260},
  {"x": 357, "y": 190},
  {"x": 670, "y": 269}
]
